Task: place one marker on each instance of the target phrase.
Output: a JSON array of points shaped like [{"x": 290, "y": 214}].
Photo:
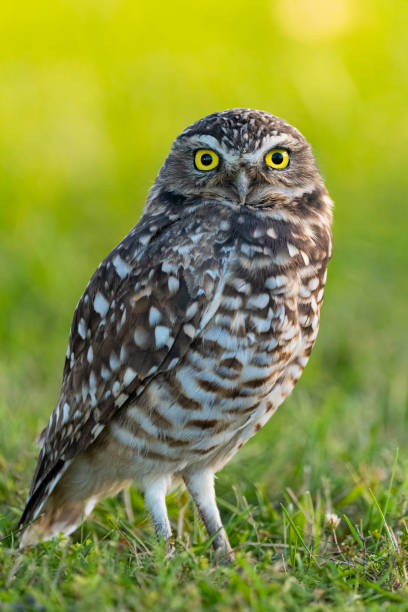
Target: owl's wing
[{"x": 140, "y": 312}]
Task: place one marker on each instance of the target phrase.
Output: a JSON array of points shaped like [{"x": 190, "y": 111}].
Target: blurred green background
[{"x": 92, "y": 94}]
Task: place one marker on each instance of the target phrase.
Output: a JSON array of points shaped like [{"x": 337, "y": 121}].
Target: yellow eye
[
  {"x": 205, "y": 159},
  {"x": 277, "y": 158}
]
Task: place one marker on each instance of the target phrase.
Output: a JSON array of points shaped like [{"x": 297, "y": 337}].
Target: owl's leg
[
  {"x": 155, "y": 500},
  {"x": 201, "y": 486}
]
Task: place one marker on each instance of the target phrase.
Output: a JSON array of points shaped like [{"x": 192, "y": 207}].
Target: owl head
[{"x": 240, "y": 157}]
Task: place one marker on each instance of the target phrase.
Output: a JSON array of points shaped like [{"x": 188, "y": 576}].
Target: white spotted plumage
[{"x": 192, "y": 331}]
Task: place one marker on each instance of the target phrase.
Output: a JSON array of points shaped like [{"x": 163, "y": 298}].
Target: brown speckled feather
[{"x": 117, "y": 344}]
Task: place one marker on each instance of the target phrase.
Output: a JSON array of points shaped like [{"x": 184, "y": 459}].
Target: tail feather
[
  {"x": 63, "y": 508},
  {"x": 41, "y": 492},
  {"x": 56, "y": 519}
]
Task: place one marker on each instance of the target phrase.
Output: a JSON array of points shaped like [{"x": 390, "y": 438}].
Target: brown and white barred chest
[{"x": 248, "y": 356}]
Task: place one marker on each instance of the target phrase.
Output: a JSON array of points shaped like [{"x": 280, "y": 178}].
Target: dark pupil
[
  {"x": 277, "y": 158},
  {"x": 206, "y": 159}
]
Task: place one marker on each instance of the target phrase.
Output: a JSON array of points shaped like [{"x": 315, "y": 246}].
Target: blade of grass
[
  {"x": 354, "y": 532},
  {"x": 387, "y": 501},
  {"x": 383, "y": 592},
  {"x": 296, "y": 530},
  {"x": 391, "y": 536}
]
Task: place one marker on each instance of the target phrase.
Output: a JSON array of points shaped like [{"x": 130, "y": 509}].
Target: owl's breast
[
  {"x": 256, "y": 335},
  {"x": 255, "y": 332}
]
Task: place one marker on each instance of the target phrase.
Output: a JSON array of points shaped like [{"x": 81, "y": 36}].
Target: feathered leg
[
  {"x": 201, "y": 486},
  {"x": 155, "y": 500}
]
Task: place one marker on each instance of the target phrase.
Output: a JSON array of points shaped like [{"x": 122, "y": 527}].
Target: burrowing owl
[{"x": 193, "y": 329}]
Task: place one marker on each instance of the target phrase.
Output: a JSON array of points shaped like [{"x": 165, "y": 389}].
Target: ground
[{"x": 93, "y": 95}]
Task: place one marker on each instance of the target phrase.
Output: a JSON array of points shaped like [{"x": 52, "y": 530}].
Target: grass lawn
[{"x": 93, "y": 94}]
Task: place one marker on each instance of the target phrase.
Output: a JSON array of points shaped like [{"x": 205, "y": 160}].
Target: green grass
[{"x": 92, "y": 95}]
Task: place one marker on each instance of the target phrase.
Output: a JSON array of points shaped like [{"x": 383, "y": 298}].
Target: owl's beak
[{"x": 242, "y": 184}]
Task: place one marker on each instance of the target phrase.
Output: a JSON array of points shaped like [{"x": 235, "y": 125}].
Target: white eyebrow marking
[
  {"x": 269, "y": 143},
  {"x": 206, "y": 139}
]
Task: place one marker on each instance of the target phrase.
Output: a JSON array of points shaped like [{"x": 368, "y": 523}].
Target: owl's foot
[
  {"x": 170, "y": 548},
  {"x": 224, "y": 556}
]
